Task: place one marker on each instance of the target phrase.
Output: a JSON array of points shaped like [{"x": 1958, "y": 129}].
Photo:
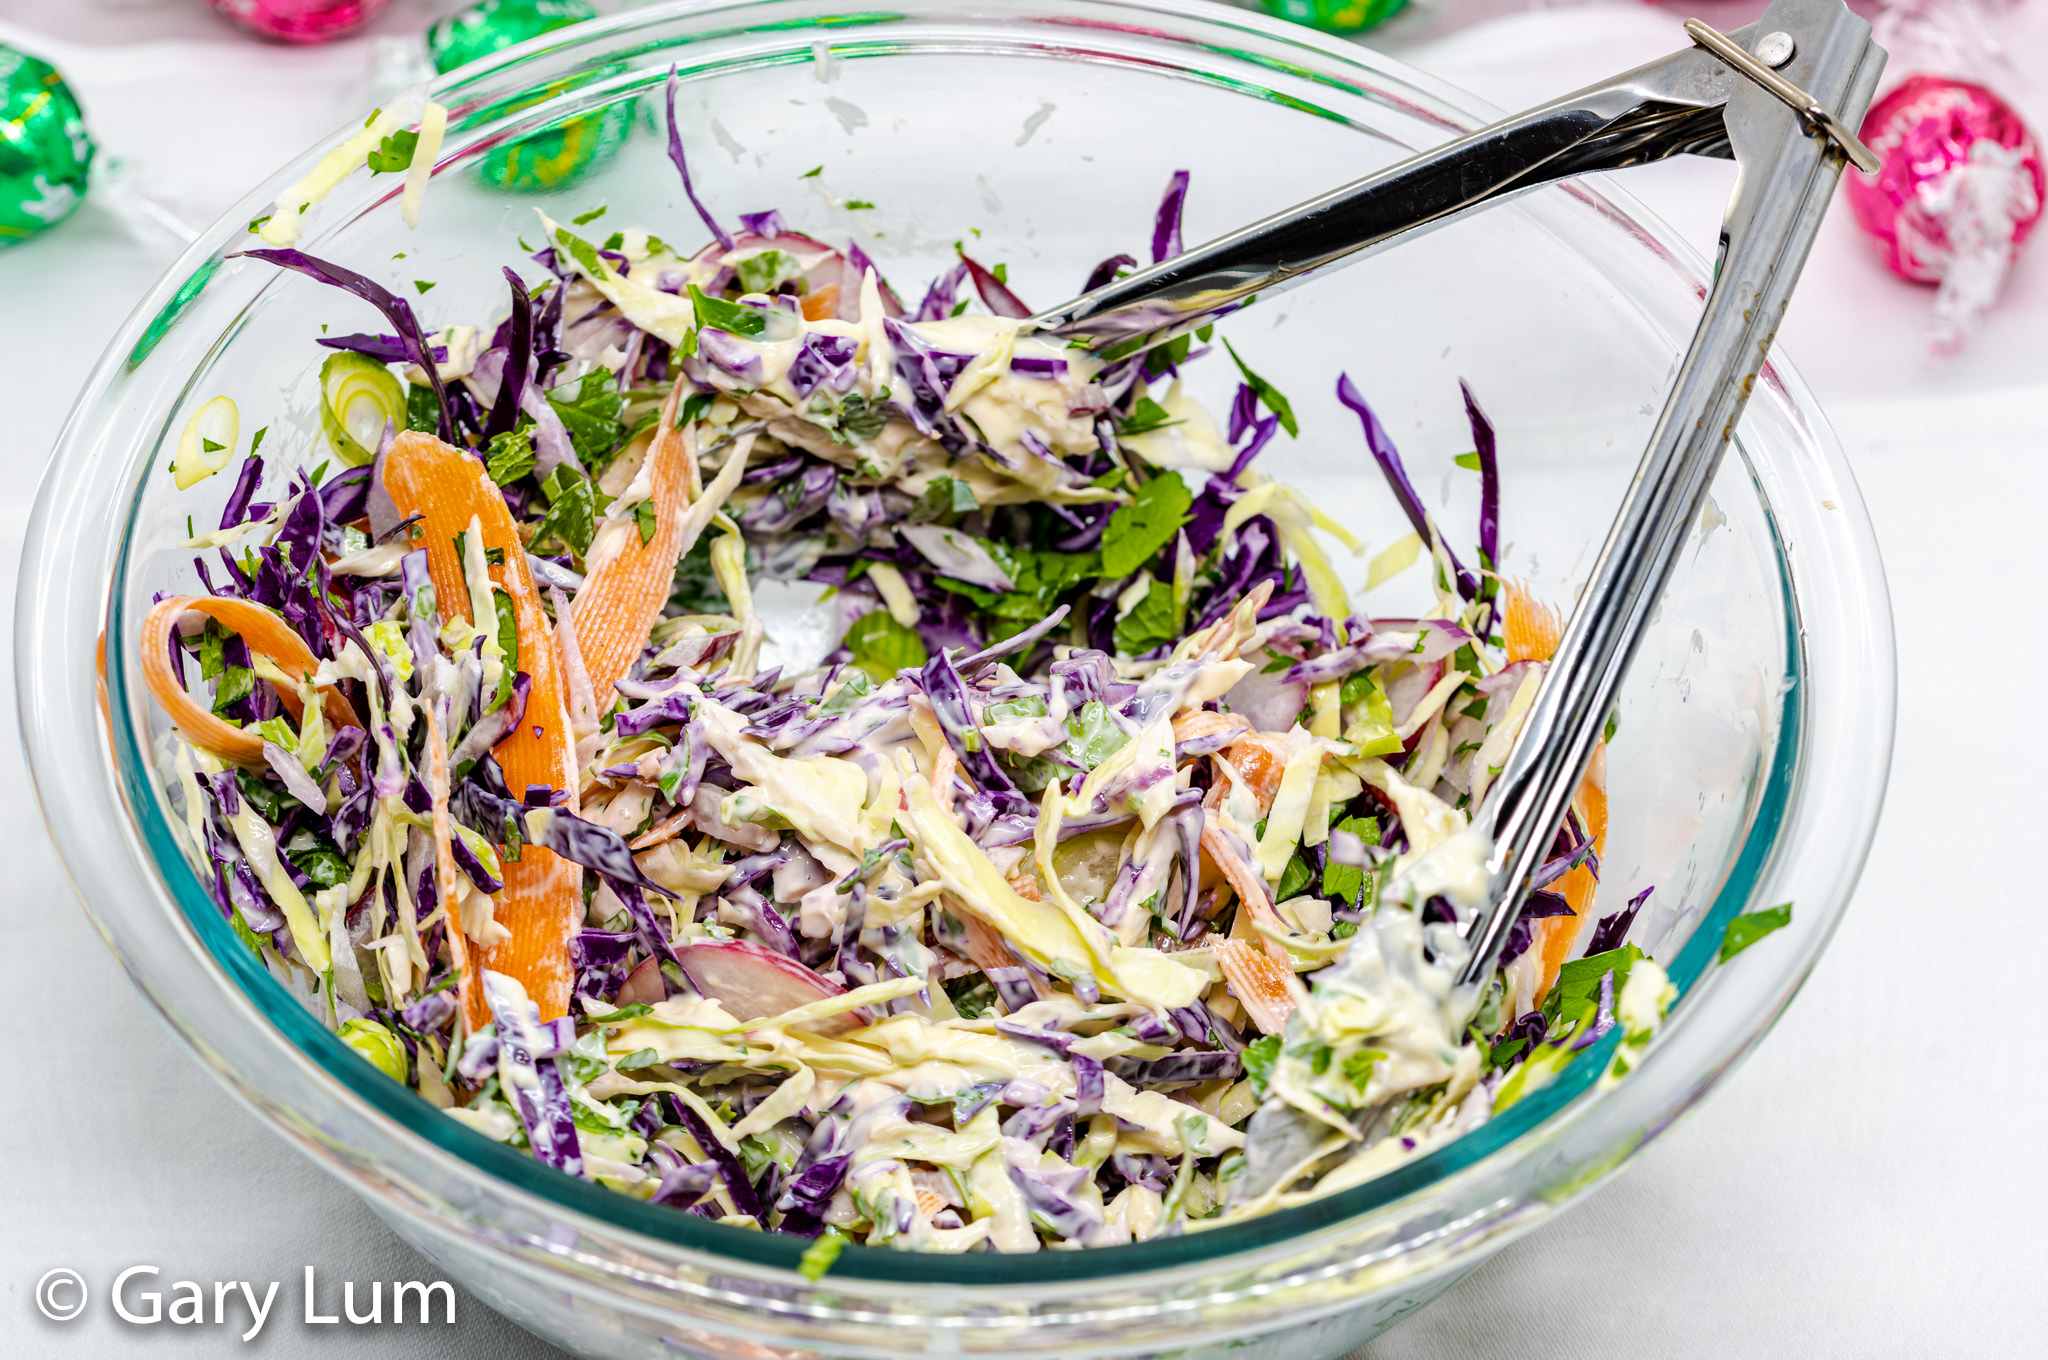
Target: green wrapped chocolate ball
[
  {"x": 1337, "y": 16},
  {"x": 547, "y": 159},
  {"x": 45, "y": 152}
]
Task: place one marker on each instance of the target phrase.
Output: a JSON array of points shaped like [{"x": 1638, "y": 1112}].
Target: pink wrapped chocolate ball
[
  {"x": 300, "y": 21},
  {"x": 1960, "y": 189}
]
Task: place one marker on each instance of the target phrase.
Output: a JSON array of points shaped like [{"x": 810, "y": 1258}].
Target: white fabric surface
[{"x": 1866, "y": 1185}]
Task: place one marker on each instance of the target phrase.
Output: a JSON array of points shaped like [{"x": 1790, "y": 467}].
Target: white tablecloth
[{"x": 1868, "y": 1184}]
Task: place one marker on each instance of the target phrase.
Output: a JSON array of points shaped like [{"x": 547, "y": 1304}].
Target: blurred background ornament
[
  {"x": 1336, "y": 16},
  {"x": 300, "y": 21},
  {"x": 1962, "y": 186},
  {"x": 547, "y": 159},
  {"x": 45, "y": 151}
]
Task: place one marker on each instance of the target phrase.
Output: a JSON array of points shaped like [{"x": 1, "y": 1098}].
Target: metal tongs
[{"x": 1779, "y": 97}]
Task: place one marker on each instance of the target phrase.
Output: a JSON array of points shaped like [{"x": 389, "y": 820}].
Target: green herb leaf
[
  {"x": 1294, "y": 878},
  {"x": 1260, "y": 1058},
  {"x": 572, "y": 509},
  {"x": 1267, "y": 394},
  {"x": 861, "y": 205},
  {"x": 1576, "y": 997},
  {"x": 1468, "y": 461},
  {"x": 881, "y": 646},
  {"x": 316, "y": 858},
  {"x": 394, "y": 153},
  {"x": 1153, "y": 623},
  {"x": 1746, "y": 929},
  {"x": 623, "y": 1014},
  {"x": 850, "y": 692},
  {"x": 1140, "y": 529},
  {"x": 693, "y": 408},
  {"x": 591, "y": 415},
  {"x": 1343, "y": 882},
  {"x": 236, "y": 683},
  {"x": 638, "y": 1058},
  {"x": 728, "y": 316},
  {"x": 813, "y": 172},
  {"x": 1146, "y": 415},
  {"x": 509, "y": 456},
  {"x": 270, "y": 804},
  {"x": 422, "y": 412},
  {"x": 1095, "y": 735},
  {"x": 767, "y": 271},
  {"x": 646, "y": 518},
  {"x": 585, "y": 219},
  {"x": 1357, "y": 1068},
  {"x": 508, "y": 638},
  {"x": 1006, "y": 710}
]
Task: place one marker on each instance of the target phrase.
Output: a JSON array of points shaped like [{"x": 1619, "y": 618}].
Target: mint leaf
[
  {"x": 728, "y": 316},
  {"x": 394, "y": 153},
  {"x": 1267, "y": 394},
  {"x": 1358, "y": 1067},
  {"x": 766, "y": 272},
  {"x": 1260, "y": 1057},
  {"x": 508, "y": 638},
  {"x": 1146, "y": 415},
  {"x": 1293, "y": 878},
  {"x": 572, "y": 509},
  {"x": 1746, "y": 929},
  {"x": 422, "y": 412},
  {"x": 581, "y": 251},
  {"x": 1140, "y": 529},
  {"x": 1154, "y": 623},
  {"x": 693, "y": 407},
  {"x": 316, "y": 859},
  {"x": 1095, "y": 735},
  {"x": 1030, "y": 706},
  {"x": 881, "y": 646},
  {"x": 509, "y": 456},
  {"x": 1576, "y": 996},
  {"x": 590, "y": 414},
  {"x": 1342, "y": 882}
]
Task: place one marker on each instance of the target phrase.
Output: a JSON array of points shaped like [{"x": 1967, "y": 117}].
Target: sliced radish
[
  {"x": 755, "y": 983},
  {"x": 643, "y": 986}
]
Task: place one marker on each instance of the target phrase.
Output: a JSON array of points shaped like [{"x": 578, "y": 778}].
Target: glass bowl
[{"x": 1754, "y": 732}]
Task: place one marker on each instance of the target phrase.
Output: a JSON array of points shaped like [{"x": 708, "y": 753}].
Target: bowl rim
[{"x": 1479, "y": 1154}]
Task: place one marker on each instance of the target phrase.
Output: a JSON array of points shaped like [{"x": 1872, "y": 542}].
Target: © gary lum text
[{"x": 140, "y": 1297}]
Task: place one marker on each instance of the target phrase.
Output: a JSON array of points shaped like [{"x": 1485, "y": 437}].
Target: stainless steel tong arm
[
  {"x": 1670, "y": 107},
  {"x": 1780, "y": 97}
]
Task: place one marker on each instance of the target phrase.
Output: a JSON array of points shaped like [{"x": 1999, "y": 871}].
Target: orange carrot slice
[
  {"x": 1531, "y": 632},
  {"x": 1248, "y": 883},
  {"x": 1555, "y": 935},
  {"x": 542, "y": 900},
  {"x": 267, "y": 636},
  {"x": 822, "y": 303},
  {"x": 447, "y": 887},
  {"x": 1261, "y": 758},
  {"x": 1259, "y": 982},
  {"x": 624, "y": 595}
]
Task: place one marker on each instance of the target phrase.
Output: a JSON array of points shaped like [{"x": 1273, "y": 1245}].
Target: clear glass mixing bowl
[{"x": 1754, "y": 733}]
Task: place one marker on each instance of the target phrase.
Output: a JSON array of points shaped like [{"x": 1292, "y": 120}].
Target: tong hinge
[{"x": 1817, "y": 117}]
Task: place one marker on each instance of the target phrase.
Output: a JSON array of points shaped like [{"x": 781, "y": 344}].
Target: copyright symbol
[{"x": 61, "y": 1294}]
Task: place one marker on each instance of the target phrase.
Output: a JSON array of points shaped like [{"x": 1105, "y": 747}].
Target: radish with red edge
[{"x": 754, "y": 983}]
